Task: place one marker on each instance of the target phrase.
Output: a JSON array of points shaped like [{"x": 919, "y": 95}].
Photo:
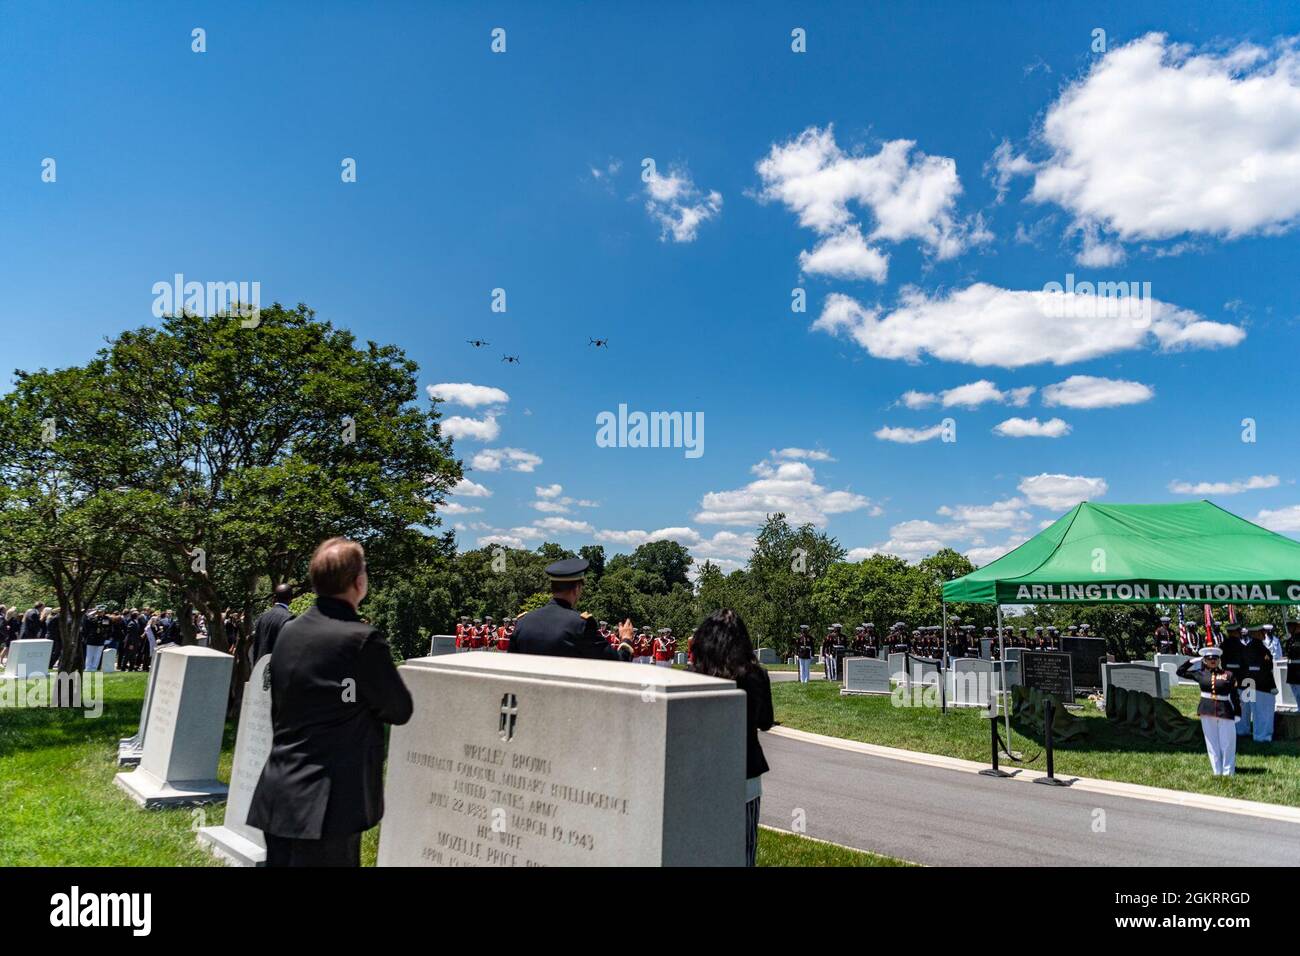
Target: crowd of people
[
  {"x": 135, "y": 633},
  {"x": 658, "y": 647}
]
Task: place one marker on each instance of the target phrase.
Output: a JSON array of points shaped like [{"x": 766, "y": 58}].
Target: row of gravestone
[
  {"x": 31, "y": 658},
  {"x": 507, "y": 760}
]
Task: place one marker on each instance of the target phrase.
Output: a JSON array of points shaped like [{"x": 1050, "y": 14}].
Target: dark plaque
[
  {"x": 1048, "y": 671},
  {"x": 1086, "y": 655}
]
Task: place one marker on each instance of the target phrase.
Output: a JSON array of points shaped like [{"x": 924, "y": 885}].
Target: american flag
[{"x": 1184, "y": 641}]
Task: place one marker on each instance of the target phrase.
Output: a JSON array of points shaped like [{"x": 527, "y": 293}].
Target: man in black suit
[
  {"x": 557, "y": 630},
  {"x": 333, "y": 687},
  {"x": 267, "y": 626},
  {"x": 31, "y": 628}
]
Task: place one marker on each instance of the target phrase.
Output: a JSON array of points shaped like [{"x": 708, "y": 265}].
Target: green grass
[
  {"x": 1265, "y": 772},
  {"x": 779, "y": 848},
  {"x": 60, "y": 807}
]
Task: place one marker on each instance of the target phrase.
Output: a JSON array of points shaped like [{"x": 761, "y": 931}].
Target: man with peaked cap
[
  {"x": 803, "y": 652},
  {"x": 1252, "y": 665},
  {"x": 1163, "y": 638},
  {"x": 557, "y": 630},
  {"x": 858, "y": 646},
  {"x": 1271, "y": 642}
]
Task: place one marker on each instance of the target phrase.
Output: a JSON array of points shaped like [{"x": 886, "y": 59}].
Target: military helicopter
[
  {"x": 477, "y": 343},
  {"x": 599, "y": 343},
  {"x": 512, "y": 359}
]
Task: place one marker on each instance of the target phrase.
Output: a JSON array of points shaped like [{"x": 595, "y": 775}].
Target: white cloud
[
  {"x": 905, "y": 195},
  {"x": 558, "y": 525},
  {"x": 1090, "y": 391},
  {"x": 1032, "y": 428},
  {"x": 456, "y": 508},
  {"x": 1236, "y": 487},
  {"x": 505, "y": 540},
  {"x": 1010, "y": 513},
  {"x": 470, "y": 489},
  {"x": 987, "y": 325},
  {"x": 677, "y": 205},
  {"x": 467, "y": 394},
  {"x": 552, "y": 500},
  {"x": 1061, "y": 492},
  {"x": 476, "y": 429},
  {"x": 1157, "y": 141},
  {"x": 845, "y": 255},
  {"x": 1004, "y": 164},
  {"x": 971, "y": 395},
  {"x": 787, "y": 486},
  {"x": 515, "y": 459},
  {"x": 808, "y": 454},
  {"x": 1281, "y": 519},
  {"x": 908, "y": 436}
]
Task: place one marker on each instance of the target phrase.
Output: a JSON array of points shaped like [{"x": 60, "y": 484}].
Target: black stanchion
[
  {"x": 994, "y": 771},
  {"x": 1048, "y": 719}
]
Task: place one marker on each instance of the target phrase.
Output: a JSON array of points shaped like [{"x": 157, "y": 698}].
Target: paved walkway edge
[{"x": 1182, "y": 798}]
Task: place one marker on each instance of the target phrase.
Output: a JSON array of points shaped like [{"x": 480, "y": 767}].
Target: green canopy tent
[{"x": 1124, "y": 554}]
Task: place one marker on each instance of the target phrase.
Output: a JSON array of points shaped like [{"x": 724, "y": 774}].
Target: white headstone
[
  {"x": 108, "y": 663},
  {"x": 442, "y": 644},
  {"x": 1285, "y": 694},
  {"x": 30, "y": 658},
  {"x": 519, "y": 760},
  {"x": 970, "y": 681},
  {"x": 681, "y": 657},
  {"x": 234, "y": 840},
  {"x": 130, "y": 749},
  {"x": 865, "y": 675},
  {"x": 1139, "y": 676},
  {"x": 898, "y": 668},
  {"x": 1170, "y": 663},
  {"x": 187, "y": 717}
]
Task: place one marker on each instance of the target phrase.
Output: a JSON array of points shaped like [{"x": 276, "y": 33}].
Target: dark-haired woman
[
  {"x": 1219, "y": 708},
  {"x": 722, "y": 648}
]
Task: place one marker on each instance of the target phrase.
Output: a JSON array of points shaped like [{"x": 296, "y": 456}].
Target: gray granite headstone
[
  {"x": 442, "y": 644},
  {"x": 234, "y": 841},
  {"x": 767, "y": 655},
  {"x": 108, "y": 663},
  {"x": 182, "y": 742},
  {"x": 1143, "y": 677},
  {"x": 522, "y": 760},
  {"x": 865, "y": 675}
]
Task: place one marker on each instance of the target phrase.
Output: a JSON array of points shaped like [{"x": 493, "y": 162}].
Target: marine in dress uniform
[
  {"x": 1219, "y": 706},
  {"x": 803, "y": 653},
  {"x": 1164, "y": 638},
  {"x": 1252, "y": 665},
  {"x": 557, "y": 630},
  {"x": 663, "y": 650},
  {"x": 828, "y": 653}
]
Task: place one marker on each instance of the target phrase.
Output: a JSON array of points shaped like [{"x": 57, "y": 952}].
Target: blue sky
[{"x": 1171, "y": 159}]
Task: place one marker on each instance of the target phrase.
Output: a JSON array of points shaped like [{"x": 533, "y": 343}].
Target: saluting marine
[{"x": 1219, "y": 707}]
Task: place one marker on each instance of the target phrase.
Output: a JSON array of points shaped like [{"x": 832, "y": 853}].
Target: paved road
[{"x": 944, "y": 817}]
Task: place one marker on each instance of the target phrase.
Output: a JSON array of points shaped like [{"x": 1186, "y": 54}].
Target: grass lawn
[
  {"x": 60, "y": 807},
  {"x": 1265, "y": 772}
]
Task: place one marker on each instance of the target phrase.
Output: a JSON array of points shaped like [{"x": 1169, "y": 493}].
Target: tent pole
[
  {"x": 1005, "y": 692},
  {"x": 943, "y": 671}
]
